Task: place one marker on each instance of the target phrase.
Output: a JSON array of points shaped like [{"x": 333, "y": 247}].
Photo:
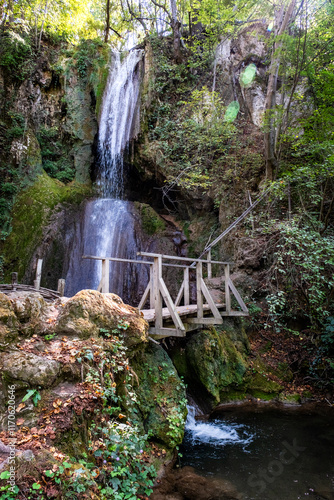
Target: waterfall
[
  {"x": 119, "y": 122},
  {"x": 107, "y": 227}
]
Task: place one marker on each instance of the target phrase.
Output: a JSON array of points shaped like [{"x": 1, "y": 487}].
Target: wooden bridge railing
[{"x": 158, "y": 294}]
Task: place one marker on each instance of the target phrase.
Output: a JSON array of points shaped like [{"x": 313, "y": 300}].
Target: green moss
[
  {"x": 258, "y": 380},
  {"x": 290, "y": 398},
  {"x": 151, "y": 221},
  {"x": 214, "y": 361},
  {"x": 161, "y": 396},
  {"x": 31, "y": 212}
]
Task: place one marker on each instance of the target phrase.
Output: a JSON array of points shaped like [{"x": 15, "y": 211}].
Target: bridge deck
[{"x": 149, "y": 314}]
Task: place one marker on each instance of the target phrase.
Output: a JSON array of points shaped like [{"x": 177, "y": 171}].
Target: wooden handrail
[{"x": 184, "y": 259}]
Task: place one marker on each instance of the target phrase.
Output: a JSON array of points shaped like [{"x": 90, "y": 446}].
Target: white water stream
[
  {"x": 215, "y": 433},
  {"x": 107, "y": 227}
]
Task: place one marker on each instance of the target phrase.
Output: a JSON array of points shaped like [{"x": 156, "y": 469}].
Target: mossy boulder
[
  {"x": 210, "y": 363},
  {"x": 32, "y": 212},
  {"x": 26, "y": 367},
  {"x": 89, "y": 311},
  {"x": 161, "y": 396},
  {"x": 8, "y": 320}
]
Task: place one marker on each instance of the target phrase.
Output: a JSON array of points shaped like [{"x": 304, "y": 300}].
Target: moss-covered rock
[
  {"x": 8, "y": 320},
  {"x": 161, "y": 395},
  {"x": 152, "y": 223},
  {"x": 213, "y": 358},
  {"x": 32, "y": 211},
  {"x": 89, "y": 311}
]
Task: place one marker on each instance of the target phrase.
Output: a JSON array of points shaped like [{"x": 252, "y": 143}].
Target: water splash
[
  {"x": 216, "y": 433},
  {"x": 119, "y": 122}
]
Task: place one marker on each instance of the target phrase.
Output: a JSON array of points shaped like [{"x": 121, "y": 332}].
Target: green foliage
[
  {"x": 56, "y": 161},
  {"x": 302, "y": 274},
  {"x": 34, "y": 394},
  {"x": 16, "y": 53}
]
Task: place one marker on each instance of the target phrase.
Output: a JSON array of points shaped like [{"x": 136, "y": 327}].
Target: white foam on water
[{"x": 216, "y": 433}]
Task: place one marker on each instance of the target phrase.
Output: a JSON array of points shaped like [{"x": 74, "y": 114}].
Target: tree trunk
[
  {"x": 106, "y": 33},
  {"x": 270, "y": 102},
  {"x": 176, "y": 25}
]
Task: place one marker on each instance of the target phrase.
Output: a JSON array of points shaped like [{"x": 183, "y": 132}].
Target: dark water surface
[{"x": 267, "y": 455}]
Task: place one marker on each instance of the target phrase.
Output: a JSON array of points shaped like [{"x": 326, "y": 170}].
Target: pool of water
[{"x": 267, "y": 455}]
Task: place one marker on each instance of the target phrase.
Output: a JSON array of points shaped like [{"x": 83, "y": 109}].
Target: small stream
[{"x": 267, "y": 455}]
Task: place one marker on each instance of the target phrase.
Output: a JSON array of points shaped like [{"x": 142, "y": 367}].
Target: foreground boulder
[{"x": 90, "y": 313}]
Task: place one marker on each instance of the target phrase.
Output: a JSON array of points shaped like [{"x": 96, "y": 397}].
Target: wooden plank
[
  {"x": 170, "y": 305},
  {"x": 116, "y": 259},
  {"x": 205, "y": 321},
  {"x": 145, "y": 296},
  {"x": 131, "y": 261},
  {"x": 157, "y": 274},
  {"x": 237, "y": 296},
  {"x": 166, "y": 332},
  {"x": 180, "y": 295},
  {"x": 184, "y": 259},
  {"x": 199, "y": 290},
  {"x": 210, "y": 301},
  {"x": 149, "y": 314},
  {"x": 105, "y": 276},
  {"x": 234, "y": 313},
  {"x": 227, "y": 289}
]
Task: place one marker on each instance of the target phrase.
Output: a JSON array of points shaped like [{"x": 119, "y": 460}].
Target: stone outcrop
[{"x": 89, "y": 311}]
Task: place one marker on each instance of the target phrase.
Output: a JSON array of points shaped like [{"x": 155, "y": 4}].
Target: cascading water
[
  {"x": 119, "y": 122},
  {"x": 215, "y": 433},
  {"x": 107, "y": 228}
]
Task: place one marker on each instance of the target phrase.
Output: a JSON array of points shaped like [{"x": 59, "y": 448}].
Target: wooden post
[
  {"x": 227, "y": 289},
  {"x": 105, "y": 276},
  {"x": 151, "y": 287},
  {"x": 209, "y": 265},
  {"x": 37, "y": 281},
  {"x": 199, "y": 274},
  {"x": 61, "y": 287},
  {"x": 157, "y": 274},
  {"x": 186, "y": 294},
  {"x": 14, "y": 281}
]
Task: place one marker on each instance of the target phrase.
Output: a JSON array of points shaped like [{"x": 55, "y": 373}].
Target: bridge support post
[
  {"x": 209, "y": 264},
  {"x": 199, "y": 274},
  {"x": 157, "y": 275},
  {"x": 227, "y": 289}
]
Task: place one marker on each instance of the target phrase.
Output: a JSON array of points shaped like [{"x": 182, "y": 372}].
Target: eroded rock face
[
  {"x": 29, "y": 368},
  {"x": 233, "y": 56},
  {"x": 89, "y": 311}
]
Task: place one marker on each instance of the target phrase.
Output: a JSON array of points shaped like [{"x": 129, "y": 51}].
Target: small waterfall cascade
[
  {"x": 107, "y": 227},
  {"x": 214, "y": 433},
  {"x": 119, "y": 122}
]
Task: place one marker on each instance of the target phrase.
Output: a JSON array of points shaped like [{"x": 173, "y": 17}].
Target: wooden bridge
[{"x": 168, "y": 317}]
